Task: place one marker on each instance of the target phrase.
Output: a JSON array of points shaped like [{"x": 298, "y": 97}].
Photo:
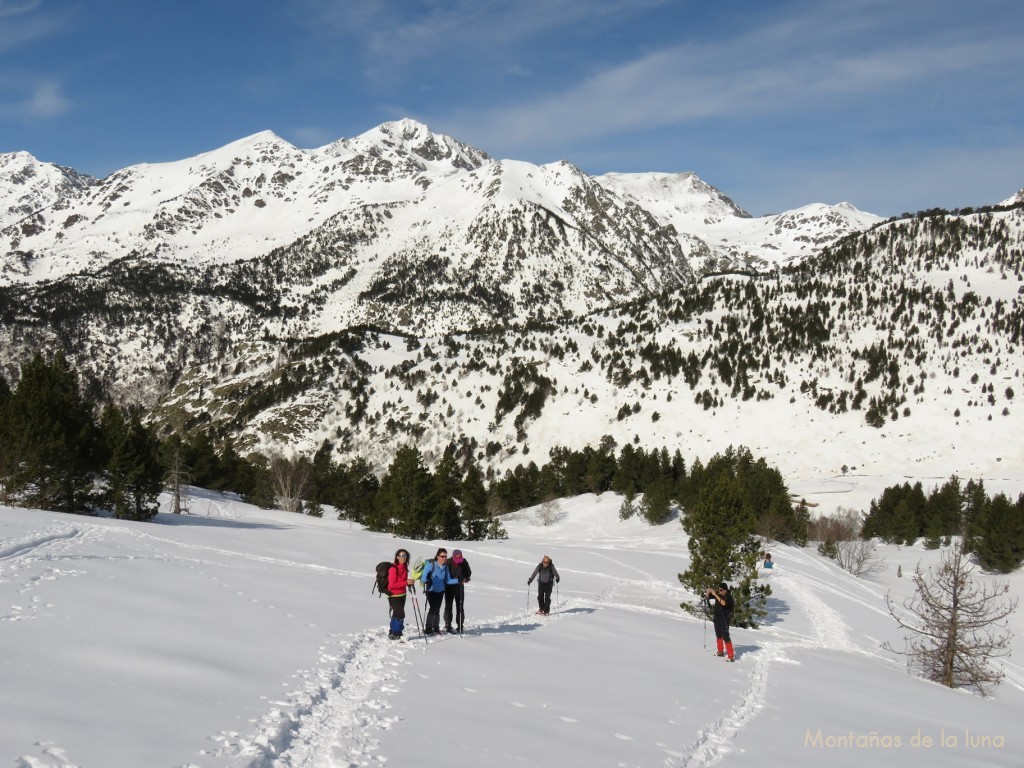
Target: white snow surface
[{"x": 235, "y": 636}]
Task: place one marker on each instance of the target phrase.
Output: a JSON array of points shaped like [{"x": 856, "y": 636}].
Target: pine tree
[
  {"x": 357, "y": 496},
  {"x": 7, "y": 461},
  {"x": 1000, "y": 545},
  {"x": 444, "y": 501},
  {"x": 656, "y": 505},
  {"x": 54, "y": 441},
  {"x": 256, "y": 480},
  {"x": 723, "y": 548},
  {"x": 475, "y": 518},
  {"x": 134, "y": 471},
  {"x": 628, "y": 507},
  {"x": 401, "y": 503}
]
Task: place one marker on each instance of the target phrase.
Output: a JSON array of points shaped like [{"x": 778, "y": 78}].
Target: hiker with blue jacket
[
  {"x": 435, "y": 579},
  {"x": 547, "y": 576}
]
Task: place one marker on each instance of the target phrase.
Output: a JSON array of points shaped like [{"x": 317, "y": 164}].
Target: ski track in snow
[
  {"x": 334, "y": 720},
  {"x": 338, "y": 716},
  {"x": 34, "y": 559},
  {"x": 715, "y": 740}
]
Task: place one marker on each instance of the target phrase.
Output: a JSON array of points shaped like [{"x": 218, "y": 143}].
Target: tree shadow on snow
[
  {"x": 529, "y": 626},
  {"x": 212, "y": 522},
  {"x": 744, "y": 649},
  {"x": 777, "y": 611}
]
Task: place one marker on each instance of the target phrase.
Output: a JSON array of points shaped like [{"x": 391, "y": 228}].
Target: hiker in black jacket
[
  {"x": 547, "y": 576},
  {"x": 459, "y": 574},
  {"x": 722, "y": 603}
]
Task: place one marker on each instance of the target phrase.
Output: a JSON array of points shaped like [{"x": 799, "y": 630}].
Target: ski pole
[
  {"x": 558, "y": 600},
  {"x": 705, "y": 626},
  {"x": 705, "y": 604},
  {"x": 460, "y": 609},
  {"x": 528, "y": 585},
  {"x": 416, "y": 613}
]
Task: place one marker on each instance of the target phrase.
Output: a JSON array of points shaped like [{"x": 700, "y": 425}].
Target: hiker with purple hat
[{"x": 459, "y": 574}]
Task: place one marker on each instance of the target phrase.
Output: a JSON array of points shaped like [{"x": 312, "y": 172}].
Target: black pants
[
  {"x": 454, "y": 593},
  {"x": 433, "y": 620},
  {"x": 722, "y": 628},
  {"x": 544, "y": 595}
]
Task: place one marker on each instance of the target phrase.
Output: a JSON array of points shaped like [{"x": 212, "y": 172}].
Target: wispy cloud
[
  {"x": 31, "y": 100},
  {"x": 9, "y": 8},
  {"x": 395, "y": 36},
  {"x": 27, "y": 96},
  {"x": 791, "y": 66},
  {"x": 22, "y": 23}
]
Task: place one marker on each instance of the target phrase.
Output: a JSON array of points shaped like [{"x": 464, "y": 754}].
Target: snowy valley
[{"x": 236, "y": 636}]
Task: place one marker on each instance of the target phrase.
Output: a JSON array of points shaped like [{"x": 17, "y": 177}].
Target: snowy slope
[
  {"x": 240, "y": 637},
  {"x": 734, "y": 239}
]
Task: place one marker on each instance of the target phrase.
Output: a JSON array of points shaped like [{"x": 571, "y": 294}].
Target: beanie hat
[{"x": 456, "y": 553}]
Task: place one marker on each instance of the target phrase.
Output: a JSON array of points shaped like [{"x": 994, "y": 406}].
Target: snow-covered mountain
[
  {"x": 237, "y": 202},
  {"x": 423, "y": 192},
  {"x": 1015, "y": 200},
  {"x": 722, "y": 235},
  {"x": 402, "y": 286}
]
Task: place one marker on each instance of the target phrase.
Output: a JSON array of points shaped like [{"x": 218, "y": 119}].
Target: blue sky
[{"x": 894, "y": 105}]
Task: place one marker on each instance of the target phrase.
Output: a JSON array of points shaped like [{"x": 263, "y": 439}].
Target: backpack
[{"x": 380, "y": 582}]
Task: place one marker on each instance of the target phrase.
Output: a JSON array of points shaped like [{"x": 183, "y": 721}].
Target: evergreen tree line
[
  {"x": 56, "y": 454},
  {"x": 992, "y": 527}
]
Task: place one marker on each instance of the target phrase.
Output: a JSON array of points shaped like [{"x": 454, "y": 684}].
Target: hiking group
[{"x": 444, "y": 581}]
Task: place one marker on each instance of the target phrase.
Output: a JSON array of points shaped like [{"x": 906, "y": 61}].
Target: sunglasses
[
  {"x": 442, "y": 557},
  {"x": 404, "y": 556}
]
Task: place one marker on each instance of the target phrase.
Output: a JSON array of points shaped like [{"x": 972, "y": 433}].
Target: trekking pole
[
  {"x": 705, "y": 603},
  {"x": 558, "y": 600},
  {"x": 460, "y": 612},
  {"x": 416, "y": 614},
  {"x": 528, "y": 586}
]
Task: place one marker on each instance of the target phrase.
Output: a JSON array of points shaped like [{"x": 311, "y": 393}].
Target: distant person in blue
[
  {"x": 547, "y": 576},
  {"x": 459, "y": 574},
  {"x": 435, "y": 579},
  {"x": 768, "y": 560}
]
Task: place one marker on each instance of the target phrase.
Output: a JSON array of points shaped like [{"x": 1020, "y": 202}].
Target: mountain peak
[
  {"x": 1018, "y": 198},
  {"x": 260, "y": 140},
  {"x": 404, "y": 130},
  {"x": 411, "y": 137}
]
